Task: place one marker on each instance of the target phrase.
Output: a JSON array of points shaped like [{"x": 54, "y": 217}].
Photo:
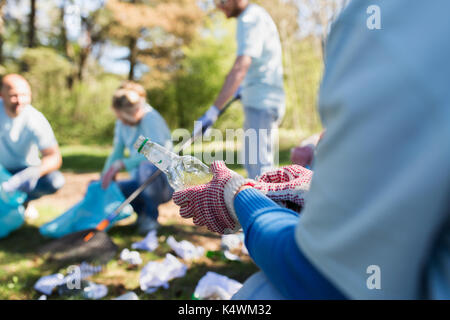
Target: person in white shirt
[
  {"x": 258, "y": 73},
  {"x": 28, "y": 147}
]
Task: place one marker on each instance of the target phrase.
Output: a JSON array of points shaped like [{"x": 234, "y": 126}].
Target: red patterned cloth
[
  {"x": 286, "y": 184},
  {"x": 210, "y": 204}
]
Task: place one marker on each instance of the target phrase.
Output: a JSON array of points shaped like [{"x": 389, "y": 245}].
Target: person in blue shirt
[
  {"x": 28, "y": 147},
  {"x": 375, "y": 222},
  {"x": 258, "y": 74},
  {"x": 135, "y": 118}
]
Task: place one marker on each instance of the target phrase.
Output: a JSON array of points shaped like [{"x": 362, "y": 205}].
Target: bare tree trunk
[
  {"x": 65, "y": 44},
  {"x": 84, "y": 55},
  {"x": 82, "y": 63},
  {"x": 63, "y": 31},
  {"x": 2, "y": 30},
  {"x": 31, "y": 25},
  {"x": 132, "y": 46}
]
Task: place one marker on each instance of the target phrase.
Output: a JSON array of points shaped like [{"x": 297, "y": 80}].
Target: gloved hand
[
  {"x": 302, "y": 156},
  {"x": 24, "y": 180},
  {"x": 286, "y": 184},
  {"x": 111, "y": 173},
  {"x": 207, "y": 120},
  {"x": 211, "y": 204}
]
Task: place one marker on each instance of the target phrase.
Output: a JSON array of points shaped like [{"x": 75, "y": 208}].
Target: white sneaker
[{"x": 31, "y": 213}]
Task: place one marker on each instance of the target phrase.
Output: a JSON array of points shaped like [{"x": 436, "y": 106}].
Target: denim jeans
[
  {"x": 158, "y": 192},
  {"x": 48, "y": 184}
]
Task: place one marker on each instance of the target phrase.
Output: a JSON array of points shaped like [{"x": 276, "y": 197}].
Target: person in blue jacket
[
  {"x": 135, "y": 118},
  {"x": 375, "y": 223}
]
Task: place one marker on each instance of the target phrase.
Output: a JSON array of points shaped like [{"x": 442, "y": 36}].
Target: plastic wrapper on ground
[
  {"x": 149, "y": 243},
  {"x": 214, "y": 286},
  {"x": 131, "y": 257},
  {"x": 158, "y": 274},
  {"x": 185, "y": 249}
]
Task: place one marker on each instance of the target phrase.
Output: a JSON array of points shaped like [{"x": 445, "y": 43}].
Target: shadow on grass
[
  {"x": 83, "y": 163},
  {"x": 25, "y": 240}
]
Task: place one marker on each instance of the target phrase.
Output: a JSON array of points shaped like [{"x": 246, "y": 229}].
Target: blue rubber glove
[
  {"x": 207, "y": 120},
  {"x": 24, "y": 180}
]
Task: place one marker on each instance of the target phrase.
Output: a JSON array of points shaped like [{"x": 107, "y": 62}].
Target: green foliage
[
  {"x": 303, "y": 72},
  {"x": 79, "y": 111},
  {"x": 194, "y": 88},
  {"x": 78, "y": 114}
]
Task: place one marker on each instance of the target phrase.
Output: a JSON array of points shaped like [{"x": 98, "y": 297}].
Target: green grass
[{"x": 84, "y": 158}]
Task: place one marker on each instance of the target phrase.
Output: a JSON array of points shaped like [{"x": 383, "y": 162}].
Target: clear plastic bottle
[{"x": 182, "y": 171}]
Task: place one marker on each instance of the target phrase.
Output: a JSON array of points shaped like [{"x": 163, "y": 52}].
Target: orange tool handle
[{"x": 100, "y": 227}]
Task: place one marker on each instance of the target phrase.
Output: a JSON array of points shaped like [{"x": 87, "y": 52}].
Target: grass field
[{"x": 21, "y": 266}]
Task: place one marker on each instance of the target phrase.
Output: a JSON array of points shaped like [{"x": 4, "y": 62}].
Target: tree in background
[
  {"x": 2, "y": 29},
  {"x": 32, "y": 25},
  {"x": 178, "y": 49},
  {"x": 154, "y": 32},
  {"x": 195, "y": 83}
]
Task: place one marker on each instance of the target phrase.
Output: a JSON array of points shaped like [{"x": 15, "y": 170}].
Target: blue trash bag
[
  {"x": 96, "y": 206},
  {"x": 12, "y": 212}
]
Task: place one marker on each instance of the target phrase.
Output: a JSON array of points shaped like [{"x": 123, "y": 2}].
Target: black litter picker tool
[{"x": 94, "y": 245}]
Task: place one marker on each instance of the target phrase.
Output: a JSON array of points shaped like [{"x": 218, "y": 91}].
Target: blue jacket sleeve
[
  {"x": 118, "y": 149},
  {"x": 270, "y": 239}
]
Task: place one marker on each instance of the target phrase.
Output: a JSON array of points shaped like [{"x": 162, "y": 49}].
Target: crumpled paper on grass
[
  {"x": 158, "y": 274},
  {"x": 185, "y": 249},
  {"x": 149, "y": 243},
  {"x": 95, "y": 291},
  {"x": 131, "y": 257},
  {"x": 233, "y": 241},
  {"x": 46, "y": 284},
  {"x": 214, "y": 286}
]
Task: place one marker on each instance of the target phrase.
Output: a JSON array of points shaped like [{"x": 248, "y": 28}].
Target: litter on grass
[
  {"x": 158, "y": 274},
  {"x": 128, "y": 296},
  {"x": 214, "y": 286},
  {"x": 47, "y": 284},
  {"x": 185, "y": 249},
  {"x": 131, "y": 257},
  {"x": 149, "y": 243},
  {"x": 84, "y": 289},
  {"x": 231, "y": 256},
  {"x": 94, "y": 291},
  {"x": 231, "y": 242}
]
